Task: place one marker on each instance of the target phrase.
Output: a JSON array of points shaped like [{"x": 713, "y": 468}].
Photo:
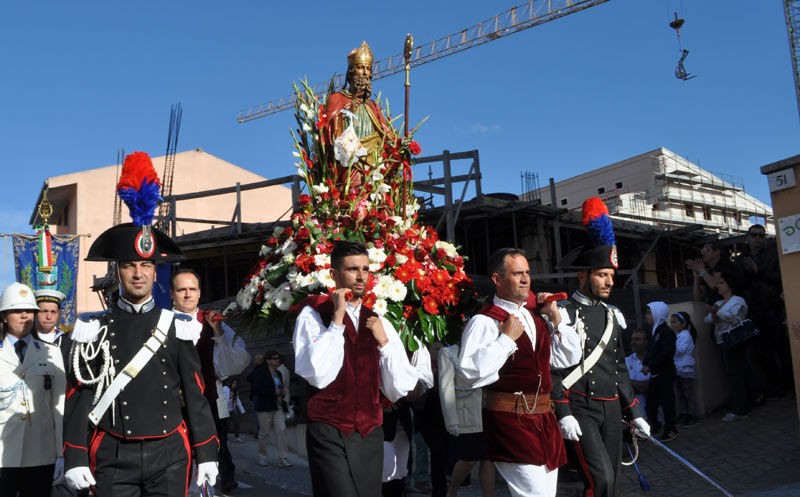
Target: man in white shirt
[
  {"x": 639, "y": 381},
  {"x": 349, "y": 355},
  {"x": 506, "y": 349}
]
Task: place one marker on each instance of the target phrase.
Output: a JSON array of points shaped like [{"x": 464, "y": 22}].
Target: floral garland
[{"x": 418, "y": 282}]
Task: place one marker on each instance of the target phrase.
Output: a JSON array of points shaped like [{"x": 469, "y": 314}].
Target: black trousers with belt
[
  {"x": 31, "y": 481},
  {"x": 132, "y": 468},
  {"x": 598, "y": 454},
  {"x": 344, "y": 465}
]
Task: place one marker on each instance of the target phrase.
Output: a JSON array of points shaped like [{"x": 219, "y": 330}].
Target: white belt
[
  {"x": 594, "y": 356},
  {"x": 134, "y": 367}
]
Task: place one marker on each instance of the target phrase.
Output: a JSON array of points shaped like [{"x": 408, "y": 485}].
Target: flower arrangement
[{"x": 418, "y": 281}]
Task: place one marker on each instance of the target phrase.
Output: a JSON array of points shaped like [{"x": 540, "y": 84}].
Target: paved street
[{"x": 758, "y": 457}]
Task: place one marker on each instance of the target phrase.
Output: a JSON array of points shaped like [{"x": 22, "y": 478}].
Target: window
[
  {"x": 689, "y": 208},
  {"x": 601, "y": 190},
  {"x": 707, "y": 213},
  {"x": 618, "y": 184},
  {"x": 563, "y": 201}
]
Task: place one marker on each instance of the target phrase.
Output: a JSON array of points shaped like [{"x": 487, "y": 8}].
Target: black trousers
[
  {"x": 132, "y": 468},
  {"x": 227, "y": 470},
  {"x": 660, "y": 392},
  {"x": 32, "y": 481},
  {"x": 344, "y": 465},
  {"x": 599, "y": 452}
]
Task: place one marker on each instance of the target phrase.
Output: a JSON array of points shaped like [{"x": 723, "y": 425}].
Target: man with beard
[
  {"x": 352, "y": 114},
  {"x": 349, "y": 355},
  {"x": 597, "y": 393}
]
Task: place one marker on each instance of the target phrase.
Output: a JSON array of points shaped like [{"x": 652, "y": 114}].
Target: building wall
[
  {"x": 90, "y": 209},
  {"x": 660, "y": 187}
]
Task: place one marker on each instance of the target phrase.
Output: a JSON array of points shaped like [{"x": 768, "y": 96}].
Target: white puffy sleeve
[
  {"x": 398, "y": 376},
  {"x": 230, "y": 353},
  {"x": 318, "y": 351},
  {"x": 484, "y": 350}
]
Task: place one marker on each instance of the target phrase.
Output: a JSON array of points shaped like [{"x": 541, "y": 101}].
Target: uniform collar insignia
[
  {"x": 584, "y": 300},
  {"x": 128, "y": 307}
]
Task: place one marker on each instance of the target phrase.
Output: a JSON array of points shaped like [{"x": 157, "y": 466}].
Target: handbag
[{"x": 739, "y": 334}]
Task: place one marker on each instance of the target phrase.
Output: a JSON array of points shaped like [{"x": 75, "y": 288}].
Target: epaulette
[
  {"x": 87, "y": 326},
  {"x": 187, "y": 328},
  {"x": 620, "y": 317}
]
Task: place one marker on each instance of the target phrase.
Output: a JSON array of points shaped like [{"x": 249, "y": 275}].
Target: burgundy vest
[
  {"x": 205, "y": 349},
  {"x": 352, "y": 401},
  {"x": 533, "y": 439}
]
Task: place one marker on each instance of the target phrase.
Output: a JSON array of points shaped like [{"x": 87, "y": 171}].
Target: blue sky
[{"x": 81, "y": 79}]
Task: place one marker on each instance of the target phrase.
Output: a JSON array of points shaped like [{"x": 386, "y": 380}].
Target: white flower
[
  {"x": 449, "y": 248},
  {"x": 288, "y": 258},
  {"x": 375, "y": 197},
  {"x": 310, "y": 281},
  {"x": 301, "y": 172},
  {"x": 322, "y": 260},
  {"x": 374, "y": 266},
  {"x": 283, "y": 300},
  {"x": 323, "y": 276},
  {"x": 380, "y": 307},
  {"x": 295, "y": 153},
  {"x": 376, "y": 175},
  {"x": 383, "y": 286},
  {"x": 376, "y": 254},
  {"x": 320, "y": 188},
  {"x": 398, "y": 291},
  {"x": 304, "y": 108},
  {"x": 384, "y": 188},
  {"x": 306, "y": 127},
  {"x": 288, "y": 246},
  {"x": 232, "y": 307},
  {"x": 400, "y": 258},
  {"x": 276, "y": 232},
  {"x": 265, "y": 251},
  {"x": 347, "y": 146}
]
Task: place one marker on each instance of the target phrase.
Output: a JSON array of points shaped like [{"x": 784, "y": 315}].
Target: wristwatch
[{"x": 702, "y": 273}]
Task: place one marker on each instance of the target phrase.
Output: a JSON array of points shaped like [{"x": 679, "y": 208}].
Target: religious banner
[{"x": 49, "y": 262}]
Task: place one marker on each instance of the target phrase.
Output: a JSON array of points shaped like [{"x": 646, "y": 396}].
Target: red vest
[
  {"x": 352, "y": 401},
  {"x": 530, "y": 439}
]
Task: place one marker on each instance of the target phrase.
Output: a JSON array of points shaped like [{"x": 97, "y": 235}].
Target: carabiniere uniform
[
  {"x": 599, "y": 394},
  {"x": 144, "y": 439}
]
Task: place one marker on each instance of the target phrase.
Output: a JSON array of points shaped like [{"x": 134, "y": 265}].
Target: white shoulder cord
[{"x": 89, "y": 352}]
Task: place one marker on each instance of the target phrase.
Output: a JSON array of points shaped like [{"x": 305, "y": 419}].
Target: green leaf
[
  {"x": 427, "y": 326},
  {"x": 276, "y": 276}
]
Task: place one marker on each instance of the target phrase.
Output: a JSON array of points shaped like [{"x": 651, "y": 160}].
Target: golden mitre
[{"x": 360, "y": 55}]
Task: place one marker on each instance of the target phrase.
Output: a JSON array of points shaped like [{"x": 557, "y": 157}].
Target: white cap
[
  {"x": 53, "y": 296},
  {"x": 17, "y": 296}
]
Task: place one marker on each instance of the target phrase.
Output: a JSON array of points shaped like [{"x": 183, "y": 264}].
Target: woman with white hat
[{"x": 32, "y": 390}]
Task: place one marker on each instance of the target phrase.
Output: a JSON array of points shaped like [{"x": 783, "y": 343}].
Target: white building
[{"x": 662, "y": 188}]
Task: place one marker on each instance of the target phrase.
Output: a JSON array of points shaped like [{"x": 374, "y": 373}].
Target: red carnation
[{"x": 430, "y": 305}]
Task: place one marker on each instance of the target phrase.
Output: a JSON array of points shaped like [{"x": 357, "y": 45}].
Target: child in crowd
[{"x": 681, "y": 323}]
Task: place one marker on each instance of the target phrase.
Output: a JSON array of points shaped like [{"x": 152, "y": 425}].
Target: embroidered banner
[{"x": 63, "y": 273}]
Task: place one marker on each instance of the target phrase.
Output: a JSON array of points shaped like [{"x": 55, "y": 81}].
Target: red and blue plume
[
  {"x": 139, "y": 188},
  {"x": 597, "y": 222}
]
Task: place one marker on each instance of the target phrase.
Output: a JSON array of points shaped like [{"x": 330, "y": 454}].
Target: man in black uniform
[
  {"x": 135, "y": 405},
  {"x": 597, "y": 393}
]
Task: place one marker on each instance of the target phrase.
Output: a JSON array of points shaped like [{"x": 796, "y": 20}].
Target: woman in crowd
[
  {"x": 269, "y": 389},
  {"x": 726, "y": 314}
]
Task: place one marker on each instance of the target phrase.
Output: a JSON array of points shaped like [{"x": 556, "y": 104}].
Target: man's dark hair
[
  {"x": 342, "y": 249},
  {"x": 759, "y": 226},
  {"x": 735, "y": 281},
  {"x": 497, "y": 261},
  {"x": 643, "y": 332},
  {"x": 272, "y": 353},
  {"x": 185, "y": 270}
]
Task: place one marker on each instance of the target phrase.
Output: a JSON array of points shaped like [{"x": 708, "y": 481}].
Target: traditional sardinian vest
[
  {"x": 205, "y": 349},
  {"x": 352, "y": 401},
  {"x": 527, "y": 439}
]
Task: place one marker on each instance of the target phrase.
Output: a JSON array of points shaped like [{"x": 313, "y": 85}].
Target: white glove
[
  {"x": 640, "y": 427},
  {"x": 207, "y": 471},
  {"x": 290, "y": 413},
  {"x": 79, "y": 478},
  {"x": 58, "y": 472},
  {"x": 570, "y": 429},
  {"x": 453, "y": 430}
]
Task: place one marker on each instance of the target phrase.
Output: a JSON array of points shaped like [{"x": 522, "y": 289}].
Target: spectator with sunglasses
[{"x": 758, "y": 265}]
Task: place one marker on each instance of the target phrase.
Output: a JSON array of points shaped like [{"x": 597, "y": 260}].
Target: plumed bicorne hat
[
  {"x": 139, "y": 188},
  {"x": 601, "y": 253}
]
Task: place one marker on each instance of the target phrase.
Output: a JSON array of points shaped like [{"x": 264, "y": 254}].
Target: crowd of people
[{"x": 531, "y": 386}]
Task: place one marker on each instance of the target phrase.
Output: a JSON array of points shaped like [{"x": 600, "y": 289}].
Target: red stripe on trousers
[{"x": 589, "y": 491}]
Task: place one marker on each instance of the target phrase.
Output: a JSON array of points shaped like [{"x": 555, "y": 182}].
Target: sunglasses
[{"x": 274, "y": 358}]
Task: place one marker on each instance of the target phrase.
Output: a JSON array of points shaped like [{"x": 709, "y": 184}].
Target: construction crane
[
  {"x": 175, "y": 115},
  {"x": 117, "y": 200},
  {"x": 513, "y": 20},
  {"x": 791, "y": 9}
]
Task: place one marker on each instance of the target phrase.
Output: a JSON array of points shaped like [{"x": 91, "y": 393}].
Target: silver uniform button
[
  {"x": 126, "y": 418},
  {"x": 164, "y": 373},
  {"x": 116, "y": 361},
  {"x": 163, "y": 361},
  {"x": 165, "y": 402},
  {"x": 128, "y": 432},
  {"x": 113, "y": 347},
  {"x": 112, "y": 334},
  {"x": 165, "y": 417},
  {"x": 163, "y": 432},
  {"x": 124, "y": 402}
]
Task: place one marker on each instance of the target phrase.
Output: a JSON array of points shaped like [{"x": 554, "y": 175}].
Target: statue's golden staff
[{"x": 408, "y": 47}]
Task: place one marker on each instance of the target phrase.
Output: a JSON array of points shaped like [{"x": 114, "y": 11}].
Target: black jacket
[
  {"x": 661, "y": 351},
  {"x": 264, "y": 396}
]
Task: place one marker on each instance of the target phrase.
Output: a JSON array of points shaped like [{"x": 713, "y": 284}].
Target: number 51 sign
[
  {"x": 781, "y": 180},
  {"x": 789, "y": 228}
]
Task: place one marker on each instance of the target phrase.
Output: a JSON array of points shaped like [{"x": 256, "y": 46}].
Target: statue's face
[{"x": 362, "y": 70}]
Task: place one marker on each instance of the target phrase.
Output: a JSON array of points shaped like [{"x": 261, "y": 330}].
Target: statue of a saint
[{"x": 355, "y": 125}]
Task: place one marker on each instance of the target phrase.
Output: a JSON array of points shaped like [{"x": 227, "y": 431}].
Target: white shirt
[
  {"x": 684, "y": 351},
  {"x": 634, "y": 365},
  {"x": 319, "y": 353},
  {"x": 729, "y": 315},
  {"x": 484, "y": 349}
]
